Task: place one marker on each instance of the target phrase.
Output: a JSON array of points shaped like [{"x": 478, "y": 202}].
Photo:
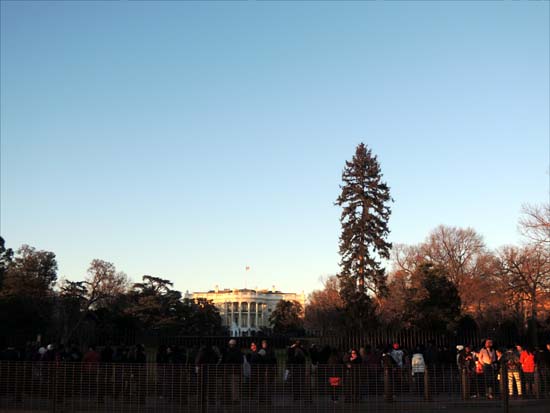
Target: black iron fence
[
  {"x": 376, "y": 337},
  {"x": 90, "y": 387}
]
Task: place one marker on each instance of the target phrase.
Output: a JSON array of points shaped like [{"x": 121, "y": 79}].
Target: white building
[{"x": 245, "y": 311}]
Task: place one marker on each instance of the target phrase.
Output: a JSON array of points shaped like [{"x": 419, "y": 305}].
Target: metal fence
[{"x": 69, "y": 387}]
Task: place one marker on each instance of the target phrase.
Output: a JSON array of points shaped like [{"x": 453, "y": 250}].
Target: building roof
[{"x": 240, "y": 290}]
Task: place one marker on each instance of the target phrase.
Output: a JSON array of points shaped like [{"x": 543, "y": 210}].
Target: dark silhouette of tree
[
  {"x": 26, "y": 293},
  {"x": 424, "y": 298},
  {"x": 30, "y": 273},
  {"x": 6, "y": 256},
  {"x": 438, "y": 308},
  {"x": 287, "y": 317},
  {"x": 201, "y": 317},
  {"x": 102, "y": 285},
  {"x": 363, "y": 242},
  {"x": 155, "y": 305}
]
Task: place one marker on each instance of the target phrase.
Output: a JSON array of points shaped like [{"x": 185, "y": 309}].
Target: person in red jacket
[{"x": 527, "y": 361}]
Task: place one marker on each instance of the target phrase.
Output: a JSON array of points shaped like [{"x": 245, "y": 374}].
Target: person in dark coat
[
  {"x": 254, "y": 359},
  {"x": 205, "y": 363},
  {"x": 296, "y": 359},
  {"x": 232, "y": 361},
  {"x": 353, "y": 366},
  {"x": 268, "y": 372}
]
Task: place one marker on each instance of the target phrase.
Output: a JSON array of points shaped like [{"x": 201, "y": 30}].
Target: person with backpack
[
  {"x": 487, "y": 356},
  {"x": 513, "y": 366}
]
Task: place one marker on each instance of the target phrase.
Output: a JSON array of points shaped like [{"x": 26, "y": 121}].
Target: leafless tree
[
  {"x": 323, "y": 311},
  {"x": 525, "y": 272},
  {"x": 535, "y": 223},
  {"x": 462, "y": 253},
  {"x": 102, "y": 284}
]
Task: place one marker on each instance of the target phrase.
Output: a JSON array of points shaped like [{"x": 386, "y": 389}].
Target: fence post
[
  {"x": 464, "y": 382},
  {"x": 388, "y": 396},
  {"x": 504, "y": 386},
  {"x": 427, "y": 384},
  {"x": 536, "y": 378}
]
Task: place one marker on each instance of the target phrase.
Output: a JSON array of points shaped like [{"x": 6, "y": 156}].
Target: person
[
  {"x": 459, "y": 349},
  {"x": 334, "y": 374},
  {"x": 205, "y": 358},
  {"x": 9, "y": 373},
  {"x": 467, "y": 366},
  {"x": 545, "y": 370},
  {"x": 50, "y": 353},
  {"x": 90, "y": 367},
  {"x": 527, "y": 361},
  {"x": 107, "y": 354},
  {"x": 268, "y": 372},
  {"x": 254, "y": 359},
  {"x": 488, "y": 357},
  {"x": 161, "y": 361},
  {"x": 138, "y": 360},
  {"x": 91, "y": 357},
  {"x": 353, "y": 364},
  {"x": 398, "y": 356},
  {"x": 296, "y": 359},
  {"x": 232, "y": 361},
  {"x": 74, "y": 354},
  {"x": 418, "y": 368},
  {"x": 513, "y": 367},
  {"x": 373, "y": 367}
]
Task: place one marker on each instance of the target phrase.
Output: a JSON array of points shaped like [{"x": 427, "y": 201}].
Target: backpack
[{"x": 512, "y": 361}]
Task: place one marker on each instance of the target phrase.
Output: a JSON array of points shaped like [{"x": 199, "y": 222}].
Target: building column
[
  {"x": 240, "y": 323},
  {"x": 248, "y": 317},
  {"x": 256, "y": 316}
]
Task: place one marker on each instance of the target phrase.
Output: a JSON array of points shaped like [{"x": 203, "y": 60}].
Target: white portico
[{"x": 245, "y": 311}]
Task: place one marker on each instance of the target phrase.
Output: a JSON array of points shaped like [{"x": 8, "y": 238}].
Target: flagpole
[{"x": 246, "y": 269}]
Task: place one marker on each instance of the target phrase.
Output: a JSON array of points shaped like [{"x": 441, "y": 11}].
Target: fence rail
[{"x": 64, "y": 387}]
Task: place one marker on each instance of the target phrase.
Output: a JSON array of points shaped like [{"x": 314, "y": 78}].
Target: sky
[{"x": 189, "y": 140}]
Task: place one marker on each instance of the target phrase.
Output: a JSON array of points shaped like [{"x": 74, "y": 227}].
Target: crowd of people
[
  {"x": 527, "y": 370},
  {"x": 303, "y": 371}
]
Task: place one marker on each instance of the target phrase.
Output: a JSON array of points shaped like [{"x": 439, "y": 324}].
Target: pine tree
[{"x": 364, "y": 199}]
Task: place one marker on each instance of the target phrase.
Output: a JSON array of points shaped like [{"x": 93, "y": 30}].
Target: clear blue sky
[{"x": 188, "y": 140}]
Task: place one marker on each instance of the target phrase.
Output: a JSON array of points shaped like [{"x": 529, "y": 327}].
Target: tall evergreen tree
[{"x": 364, "y": 199}]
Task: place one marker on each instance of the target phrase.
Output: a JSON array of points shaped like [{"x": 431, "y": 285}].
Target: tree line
[
  {"x": 34, "y": 301},
  {"x": 449, "y": 281}
]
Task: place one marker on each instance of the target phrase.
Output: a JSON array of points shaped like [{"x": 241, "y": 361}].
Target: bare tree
[
  {"x": 455, "y": 249},
  {"x": 405, "y": 259},
  {"x": 324, "y": 310},
  {"x": 102, "y": 284},
  {"x": 525, "y": 272},
  {"x": 462, "y": 253},
  {"x": 535, "y": 223}
]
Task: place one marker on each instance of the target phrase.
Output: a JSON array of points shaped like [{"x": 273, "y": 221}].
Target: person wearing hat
[{"x": 398, "y": 356}]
